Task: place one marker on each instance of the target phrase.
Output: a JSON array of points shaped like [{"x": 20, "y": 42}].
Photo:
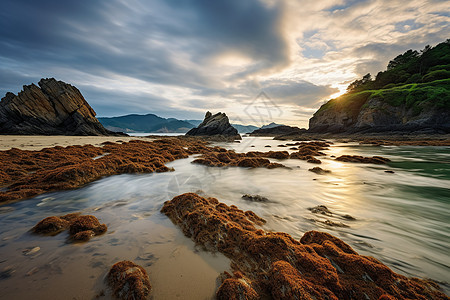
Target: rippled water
[{"x": 402, "y": 219}]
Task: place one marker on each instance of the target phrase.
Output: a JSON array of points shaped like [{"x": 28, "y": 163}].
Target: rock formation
[
  {"x": 217, "y": 124},
  {"x": 53, "y": 108},
  {"x": 274, "y": 265},
  {"x": 375, "y": 115}
]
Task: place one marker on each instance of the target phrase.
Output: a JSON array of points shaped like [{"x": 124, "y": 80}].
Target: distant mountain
[
  {"x": 244, "y": 128},
  {"x": 271, "y": 125},
  {"x": 194, "y": 122},
  {"x": 154, "y": 123},
  {"x": 145, "y": 123}
]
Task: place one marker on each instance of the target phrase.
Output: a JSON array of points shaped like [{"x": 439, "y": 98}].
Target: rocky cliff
[
  {"x": 52, "y": 108},
  {"x": 369, "y": 113},
  {"x": 212, "y": 125}
]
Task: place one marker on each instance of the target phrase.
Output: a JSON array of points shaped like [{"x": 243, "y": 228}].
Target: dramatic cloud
[{"x": 179, "y": 58}]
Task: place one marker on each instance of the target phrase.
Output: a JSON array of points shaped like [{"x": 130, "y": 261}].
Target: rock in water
[
  {"x": 217, "y": 124},
  {"x": 129, "y": 281},
  {"x": 53, "y": 108}
]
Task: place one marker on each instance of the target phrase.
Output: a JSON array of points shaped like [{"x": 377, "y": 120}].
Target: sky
[{"x": 256, "y": 60}]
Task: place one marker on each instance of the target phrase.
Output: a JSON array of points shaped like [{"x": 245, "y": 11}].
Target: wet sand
[{"x": 38, "y": 142}]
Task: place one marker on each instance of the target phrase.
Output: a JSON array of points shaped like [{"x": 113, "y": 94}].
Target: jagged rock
[
  {"x": 129, "y": 281},
  {"x": 217, "y": 124},
  {"x": 53, "y": 108}
]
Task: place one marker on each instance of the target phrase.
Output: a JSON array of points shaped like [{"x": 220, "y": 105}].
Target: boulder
[
  {"x": 214, "y": 125},
  {"x": 52, "y": 108}
]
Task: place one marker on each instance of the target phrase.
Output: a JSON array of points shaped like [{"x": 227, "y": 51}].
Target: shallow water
[{"x": 402, "y": 219}]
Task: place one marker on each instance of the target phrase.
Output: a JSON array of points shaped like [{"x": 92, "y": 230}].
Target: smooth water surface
[{"x": 402, "y": 219}]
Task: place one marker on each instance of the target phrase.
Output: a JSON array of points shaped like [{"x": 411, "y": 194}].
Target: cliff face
[
  {"x": 376, "y": 115},
  {"x": 52, "y": 108},
  {"x": 217, "y": 124}
]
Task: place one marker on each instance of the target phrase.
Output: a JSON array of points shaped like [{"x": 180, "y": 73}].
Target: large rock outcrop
[
  {"x": 213, "y": 125},
  {"x": 52, "y": 108},
  {"x": 376, "y": 115}
]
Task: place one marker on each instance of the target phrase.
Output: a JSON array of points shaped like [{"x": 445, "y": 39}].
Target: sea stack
[
  {"x": 52, "y": 108},
  {"x": 215, "y": 125}
]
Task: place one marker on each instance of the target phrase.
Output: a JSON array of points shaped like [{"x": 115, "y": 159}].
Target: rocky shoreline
[
  {"x": 25, "y": 174},
  {"x": 374, "y": 139},
  {"x": 265, "y": 264},
  {"x": 273, "y": 264}
]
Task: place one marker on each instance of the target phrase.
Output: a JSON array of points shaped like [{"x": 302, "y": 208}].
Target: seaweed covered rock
[
  {"x": 86, "y": 223},
  {"x": 236, "y": 289},
  {"x": 81, "y": 228},
  {"x": 219, "y": 157},
  {"x": 51, "y": 225},
  {"x": 129, "y": 281},
  {"x": 319, "y": 171},
  {"x": 361, "y": 159},
  {"x": 25, "y": 174},
  {"x": 274, "y": 264}
]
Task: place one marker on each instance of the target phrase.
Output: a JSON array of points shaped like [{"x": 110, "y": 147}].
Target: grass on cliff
[{"x": 413, "y": 96}]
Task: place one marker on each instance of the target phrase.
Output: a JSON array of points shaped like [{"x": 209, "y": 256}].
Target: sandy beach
[{"x": 38, "y": 142}]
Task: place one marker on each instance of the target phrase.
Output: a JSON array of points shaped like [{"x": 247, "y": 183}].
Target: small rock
[
  {"x": 389, "y": 171},
  {"x": 31, "y": 251},
  {"x": 321, "y": 209},
  {"x": 6, "y": 272},
  {"x": 348, "y": 217},
  {"x": 319, "y": 171},
  {"x": 129, "y": 281},
  {"x": 267, "y": 146},
  {"x": 255, "y": 198},
  {"x": 32, "y": 271},
  {"x": 314, "y": 161},
  {"x": 51, "y": 225}
]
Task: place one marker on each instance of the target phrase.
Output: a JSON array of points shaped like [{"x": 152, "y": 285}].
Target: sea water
[{"x": 400, "y": 218}]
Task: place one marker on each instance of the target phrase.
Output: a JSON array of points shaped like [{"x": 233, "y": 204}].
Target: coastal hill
[
  {"x": 52, "y": 108},
  {"x": 412, "y": 95}
]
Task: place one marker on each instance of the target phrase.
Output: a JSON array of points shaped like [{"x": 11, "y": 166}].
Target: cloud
[{"x": 182, "y": 57}]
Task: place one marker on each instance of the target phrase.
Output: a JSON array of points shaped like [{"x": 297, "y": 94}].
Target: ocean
[{"x": 401, "y": 218}]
